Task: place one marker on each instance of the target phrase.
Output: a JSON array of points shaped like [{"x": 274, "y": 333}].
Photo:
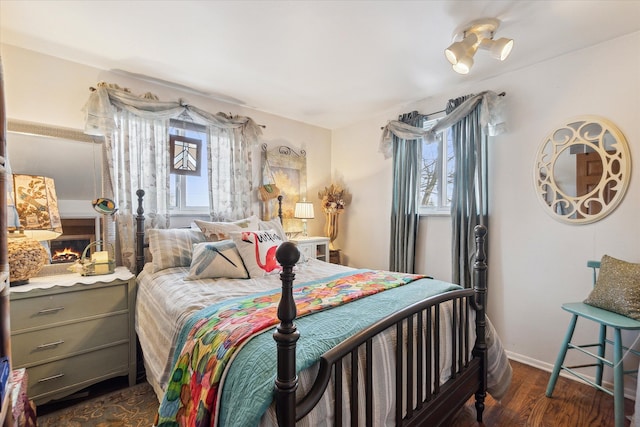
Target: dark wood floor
[{"x": 573, "y": 404}]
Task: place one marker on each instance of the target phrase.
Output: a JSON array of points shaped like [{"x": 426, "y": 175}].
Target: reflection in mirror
[
  {"x": 582, "y": 170},
  {"x": 73, "y": 159}
]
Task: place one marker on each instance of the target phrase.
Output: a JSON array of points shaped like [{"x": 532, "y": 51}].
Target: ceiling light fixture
[{"x": 476, "y": 35}]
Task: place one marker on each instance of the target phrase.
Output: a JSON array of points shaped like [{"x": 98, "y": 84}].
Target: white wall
[
  {"x": 535, "y": 262},
  {"x": 48, "y": 90}
]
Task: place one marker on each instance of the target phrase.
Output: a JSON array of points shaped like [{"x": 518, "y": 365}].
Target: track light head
[
  {"x": 463, "y": 66},
  {"x": 477, "y": 34},
  {"x": 501, "y": 48},
  {"x": 458, "y": 50}
]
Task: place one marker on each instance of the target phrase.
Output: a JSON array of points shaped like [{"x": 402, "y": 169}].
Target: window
[
  {"x": 189, "y": 192},
  {"x": 436, "y": 177}
]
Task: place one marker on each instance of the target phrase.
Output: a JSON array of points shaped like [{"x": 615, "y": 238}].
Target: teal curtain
[
  {"x": 469, "y": 201},
  {"x": 407, "y": 159}
]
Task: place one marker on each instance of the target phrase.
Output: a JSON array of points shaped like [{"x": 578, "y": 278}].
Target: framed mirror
[
  {"x": 73, "y": 159},
  {"x": 582, "y": 170},
  {"x": 288, "y": 169}
]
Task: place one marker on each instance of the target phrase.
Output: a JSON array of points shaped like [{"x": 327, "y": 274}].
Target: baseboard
[{"x": 629, "y": 392}]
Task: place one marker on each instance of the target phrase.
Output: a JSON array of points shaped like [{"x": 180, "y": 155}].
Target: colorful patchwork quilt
[{"x": 214, "y": 335}]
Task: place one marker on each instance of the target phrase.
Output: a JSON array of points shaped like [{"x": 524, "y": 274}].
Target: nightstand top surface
[
  {"x": 70, "y": 279},
  {"x": 310, "y": 239}
]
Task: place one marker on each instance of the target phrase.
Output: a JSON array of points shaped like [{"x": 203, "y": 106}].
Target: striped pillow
[{"x": 172, "y": 247}]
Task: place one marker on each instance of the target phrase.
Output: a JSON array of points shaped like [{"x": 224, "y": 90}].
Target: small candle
[
  {"x": 101, "y": 269},
  {"x": 101, "y": 257}
]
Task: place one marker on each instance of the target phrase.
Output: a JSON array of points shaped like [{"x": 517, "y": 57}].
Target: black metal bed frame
[{"x": 420, "y": 400}]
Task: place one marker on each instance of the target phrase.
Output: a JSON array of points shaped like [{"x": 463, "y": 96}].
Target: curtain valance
[
  {"x": 106, "y": 98},
  {"x": 491, "y": 118}
]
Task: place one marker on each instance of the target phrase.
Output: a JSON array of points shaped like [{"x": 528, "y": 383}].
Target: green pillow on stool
[{"x": 617, "y": 288}]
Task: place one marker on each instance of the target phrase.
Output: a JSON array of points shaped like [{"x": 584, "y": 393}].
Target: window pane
[
  {"x": 438, "y": 167},
  {"x": 451, "y": 166},
  {"x": 430, "y": 173},
  {"x": 172, "y": 191}
]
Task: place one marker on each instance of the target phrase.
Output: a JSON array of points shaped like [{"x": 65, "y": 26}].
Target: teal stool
[{"x": 606, "y": 319}]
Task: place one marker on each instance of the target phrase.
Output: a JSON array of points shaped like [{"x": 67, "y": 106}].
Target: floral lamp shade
[{"x": 36, "y": 205}]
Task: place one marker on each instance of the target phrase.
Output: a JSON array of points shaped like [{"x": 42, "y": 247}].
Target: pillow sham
[
  {"x": 216, "y": 259},
  {"x": 275, "y": 225},
  {"x": 617, "y": 288},
  {"x": 214, "y": 231},
  {"x": 258, "y": 251},
  {"x": 172, "y": 247}
]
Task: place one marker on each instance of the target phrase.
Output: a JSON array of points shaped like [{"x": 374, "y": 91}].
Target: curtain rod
[{"x": 442, "y": 111}]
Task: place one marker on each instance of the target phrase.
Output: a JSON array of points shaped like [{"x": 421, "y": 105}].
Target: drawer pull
[
  {"x": 50, "y": 310},
  {"x": 52, "y": 377},
  {"x": 51, "y": 344}
]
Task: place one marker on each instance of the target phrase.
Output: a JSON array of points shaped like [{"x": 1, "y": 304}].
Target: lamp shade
[
  {"x": 304, "y": 210},
  {"x": 37, "y": 206}
]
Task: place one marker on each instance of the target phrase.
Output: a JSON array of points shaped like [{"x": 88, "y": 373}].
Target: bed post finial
[
  {"x": 140, "y": 233},
  {"x": 480, "y": 289},
  {"x": 286, "y": 335}
]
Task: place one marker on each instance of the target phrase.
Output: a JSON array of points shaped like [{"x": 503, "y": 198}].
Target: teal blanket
[{"x": 249, "y": 384}]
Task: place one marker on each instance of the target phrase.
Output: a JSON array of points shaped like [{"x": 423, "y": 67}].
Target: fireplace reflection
[
  {"x": 68, "y": 250},
  {"x": 77, "y": 234}
]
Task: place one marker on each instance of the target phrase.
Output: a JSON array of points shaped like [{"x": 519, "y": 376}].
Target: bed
[{"x": 405, "y": 349}]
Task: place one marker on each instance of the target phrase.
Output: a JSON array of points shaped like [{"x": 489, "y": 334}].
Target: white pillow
[
  {"x": 216, "y": 259},
  {"x": 274, "y": 224},
  {"x": 172, "y": 247},
  {"x": 258, "y": 251},
  {"x": 215, "y": 231}
]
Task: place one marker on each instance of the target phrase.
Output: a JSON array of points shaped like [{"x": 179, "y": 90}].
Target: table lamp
[
  {"x": 304, "y": 211},
  {"x": 32, "y": 201}
]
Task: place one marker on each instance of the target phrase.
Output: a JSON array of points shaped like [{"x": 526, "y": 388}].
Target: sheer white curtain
[{"x": 136, "y": 132}]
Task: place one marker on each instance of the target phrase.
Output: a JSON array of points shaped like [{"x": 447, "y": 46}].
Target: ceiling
[{"x": 326, "y": 63}]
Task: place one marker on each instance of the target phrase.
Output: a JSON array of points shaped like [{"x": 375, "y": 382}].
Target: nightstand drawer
[
  {"x": 51, "y": 380},
  {"x": 307, "y": 251},
  {"x": 76, "y": 303},
  {"x": 53, "y": 343}
]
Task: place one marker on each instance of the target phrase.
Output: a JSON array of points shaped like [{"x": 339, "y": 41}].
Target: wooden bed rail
[{"x": 416, "y": 360}]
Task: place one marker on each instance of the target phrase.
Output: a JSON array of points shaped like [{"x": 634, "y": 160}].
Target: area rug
[{"x": 129, "y": 407}]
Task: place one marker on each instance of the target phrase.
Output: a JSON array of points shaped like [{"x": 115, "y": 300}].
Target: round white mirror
[{"x": 582, "y": 170}]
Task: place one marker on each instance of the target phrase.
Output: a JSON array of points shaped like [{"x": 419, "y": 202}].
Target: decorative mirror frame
[
  {"x": 289, "y": 169},
  {"x": 595, "y": 134}
]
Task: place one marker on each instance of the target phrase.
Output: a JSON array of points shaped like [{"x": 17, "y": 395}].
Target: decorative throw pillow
[
  {"x": 172, "y": 247},
  {"x": 617, "y": 288},
  {"x": 275, "y": 225},
  {"x": 215, "y": 231},
  {"x": 258, "y": 251},
  {"x": 216, "y": 259}
]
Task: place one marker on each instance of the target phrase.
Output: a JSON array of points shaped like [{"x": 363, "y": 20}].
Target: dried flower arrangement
[{"x": 334, "y": 198}]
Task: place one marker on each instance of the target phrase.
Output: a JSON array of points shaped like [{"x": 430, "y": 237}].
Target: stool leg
[
  {"x": 618, "y": 379},
  {"x": 561, "y": 356},
  {"x": 601, "y": 349}
]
